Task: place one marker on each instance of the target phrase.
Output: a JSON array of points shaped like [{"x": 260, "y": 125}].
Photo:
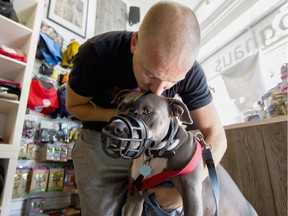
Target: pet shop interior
[{"x": 243, "y": 53}]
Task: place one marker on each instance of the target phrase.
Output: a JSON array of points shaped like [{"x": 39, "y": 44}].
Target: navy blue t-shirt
[{"x": 103, "y": 67}]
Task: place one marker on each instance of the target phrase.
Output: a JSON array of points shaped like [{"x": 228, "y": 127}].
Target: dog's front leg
[
  {"x": 134, "y": 205},
  {"x": 190, "y": 188}
]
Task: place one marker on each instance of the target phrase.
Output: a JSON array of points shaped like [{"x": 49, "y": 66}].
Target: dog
[{"x": 148, "y": 130}]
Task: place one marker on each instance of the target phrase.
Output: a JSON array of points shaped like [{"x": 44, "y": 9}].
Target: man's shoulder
[
  {"x": 195, "y": 71},
  {"x": 111, "y": 36},
  {"x": 109, "y": 42}
]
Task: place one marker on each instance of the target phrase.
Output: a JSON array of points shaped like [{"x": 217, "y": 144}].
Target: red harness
[{"x": 169, "y": 174}]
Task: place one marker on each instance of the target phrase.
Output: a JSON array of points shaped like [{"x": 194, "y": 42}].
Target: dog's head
[{"x": 143, "y": 121}]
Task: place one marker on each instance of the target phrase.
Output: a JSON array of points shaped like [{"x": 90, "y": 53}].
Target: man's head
[{"x": 165, "y": 47}]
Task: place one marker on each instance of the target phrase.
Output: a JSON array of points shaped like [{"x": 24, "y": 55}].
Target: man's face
[{"x": 152, "y": 72}]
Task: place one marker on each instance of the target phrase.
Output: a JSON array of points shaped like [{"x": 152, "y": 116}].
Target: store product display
[
  {"x": 69, "y": 54},
  {"x": 48, "y": 50},
  {"x": 46, "y": 69},
  {"x": 274, "y": 102},
  {"x": 42, "y": 97}
]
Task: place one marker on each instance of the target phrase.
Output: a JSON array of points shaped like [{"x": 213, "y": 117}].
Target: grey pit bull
[{"x": 147, "y": 130}]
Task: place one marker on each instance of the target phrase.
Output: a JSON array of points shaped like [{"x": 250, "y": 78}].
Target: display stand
[{"x": 23, "y": 36}]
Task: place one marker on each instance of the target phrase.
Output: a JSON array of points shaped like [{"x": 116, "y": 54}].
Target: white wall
[
  {"x": 68, "y": 35},
  {"x": 144, "y": 5}
]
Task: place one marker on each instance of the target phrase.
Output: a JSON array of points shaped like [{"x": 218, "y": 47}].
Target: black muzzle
[{"x": 125, "y": 136}]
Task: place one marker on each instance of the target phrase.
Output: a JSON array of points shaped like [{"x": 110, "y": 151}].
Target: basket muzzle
[{"x": 125, "y": 136}]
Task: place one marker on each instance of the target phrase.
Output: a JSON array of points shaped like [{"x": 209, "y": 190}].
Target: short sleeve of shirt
[{"x": 81, "y": 80}]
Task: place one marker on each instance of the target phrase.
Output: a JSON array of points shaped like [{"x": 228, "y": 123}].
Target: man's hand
[{"x": 168, "y": 198}]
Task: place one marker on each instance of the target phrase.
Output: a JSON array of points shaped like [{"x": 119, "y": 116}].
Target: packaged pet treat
[
  {"x": 69, "y": 151},
  {"x": 56, "y": 176},
  {"x": 23, "y": 149},
  {"x": 31, "y": 151},
  {"x": 46, "y": 153},
  {"x": 37, "y": 179},
  {"x": 64, "y": 152},
  {"x": 34, "y": 206},
  {"x": 57, "y": 151},
  {"x": 69, "y": 180},
  {"x": 20, "y": 182}
]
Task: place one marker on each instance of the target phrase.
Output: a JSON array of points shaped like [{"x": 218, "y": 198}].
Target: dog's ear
[
  {"x": 120, "y": 96},
  {"x": 178, "y": 109}
]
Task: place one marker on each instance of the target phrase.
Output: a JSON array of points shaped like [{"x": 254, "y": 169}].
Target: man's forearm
[
  {"x": 218, "y": 143},
  {"x": 82, "y": 108},
  {"x": 91, "y": 112}
]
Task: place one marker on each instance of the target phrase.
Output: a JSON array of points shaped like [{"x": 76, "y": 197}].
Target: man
[{"x": 160, "y": 57}]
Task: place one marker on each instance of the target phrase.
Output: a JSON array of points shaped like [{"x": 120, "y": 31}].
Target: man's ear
[
  {"x": 121, "y": 95},
  {"x": 133, "y": 42},
  {"x": 178, "y": 109}
]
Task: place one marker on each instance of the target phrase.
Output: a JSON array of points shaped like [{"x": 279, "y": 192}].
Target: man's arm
[
  {"x": 208, "y": 122},
  {"x": 83, "y": 108}
]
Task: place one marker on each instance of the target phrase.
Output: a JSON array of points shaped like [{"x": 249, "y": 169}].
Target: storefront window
[{"x": 248, "y": 66}]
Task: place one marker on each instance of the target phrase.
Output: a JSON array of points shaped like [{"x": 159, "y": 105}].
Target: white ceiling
[
  {"x": 215, "y": 16},
  {"x": 202, "y": 8}
]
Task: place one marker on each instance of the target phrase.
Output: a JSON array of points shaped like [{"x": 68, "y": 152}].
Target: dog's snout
[{"x": 118, "y": 128}]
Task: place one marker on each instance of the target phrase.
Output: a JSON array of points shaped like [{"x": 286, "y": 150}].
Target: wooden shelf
[{"x": 8, "y": 106}]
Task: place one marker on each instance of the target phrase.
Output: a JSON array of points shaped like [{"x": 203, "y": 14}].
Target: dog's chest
[{"x": 157, "y": 166}]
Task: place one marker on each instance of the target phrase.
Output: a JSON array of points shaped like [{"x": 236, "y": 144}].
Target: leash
[{"x": 208, "y": 158}]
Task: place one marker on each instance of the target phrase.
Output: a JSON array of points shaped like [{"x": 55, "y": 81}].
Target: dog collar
[
  {"x": 164, "y": 152},
  {"x": 140, "y": 185}
]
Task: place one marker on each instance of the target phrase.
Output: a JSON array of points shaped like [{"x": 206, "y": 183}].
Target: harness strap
[
  {"x": 169, "y": 174},
  {"x": 208, "y": 158}
]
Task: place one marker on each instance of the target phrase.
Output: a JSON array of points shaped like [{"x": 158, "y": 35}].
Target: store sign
[{"x": 265, "y": 33}]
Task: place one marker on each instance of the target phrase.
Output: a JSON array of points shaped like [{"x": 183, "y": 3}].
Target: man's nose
[{"x": 157, "y": 87}]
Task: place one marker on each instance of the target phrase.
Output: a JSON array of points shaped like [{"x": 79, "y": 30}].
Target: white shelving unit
[{"x": 24, "y": 36}]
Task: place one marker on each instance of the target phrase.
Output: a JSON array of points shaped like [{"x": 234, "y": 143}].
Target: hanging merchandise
[
  {"x": 69, "y": 54},
  {"x": 51, "y": 32},
  {"x": 48, "y": 49},
  {"x": 42, "y": 97},
  {"x": 56, "y": 178},
  {"x": 46, "y": 69},
  {"x": 20, "y": 182},
  {"x": 7, "y": 10},
  {"x": 49, "y": 45},
  {"x": 37, "y": 179},
  {"x": 62, "y": 100}
]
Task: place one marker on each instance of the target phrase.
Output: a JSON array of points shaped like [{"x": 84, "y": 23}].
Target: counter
[
  {"x": 256, "y": 159},
  {"x": 258, "y": 122}
]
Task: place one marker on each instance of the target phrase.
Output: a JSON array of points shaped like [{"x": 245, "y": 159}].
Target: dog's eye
[{"x": 147, "y": 112}]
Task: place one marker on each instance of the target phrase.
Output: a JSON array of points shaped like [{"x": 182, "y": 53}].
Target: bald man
[{"x": 160, "y": 57}]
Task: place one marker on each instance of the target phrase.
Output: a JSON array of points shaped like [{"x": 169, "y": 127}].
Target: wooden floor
[{"x": 256, "y": 159}]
